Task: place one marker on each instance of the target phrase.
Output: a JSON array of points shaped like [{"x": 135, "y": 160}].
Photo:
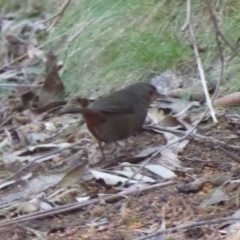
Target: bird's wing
[
  {"x": 112, "y": 107},
  {"x": 127, "y": 110}
]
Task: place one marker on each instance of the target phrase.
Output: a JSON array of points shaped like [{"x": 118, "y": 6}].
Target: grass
[
  {"x": 108, "y": 44},
  {"x": 25, "y": 8},
  {"x": 126, "y": 42}
]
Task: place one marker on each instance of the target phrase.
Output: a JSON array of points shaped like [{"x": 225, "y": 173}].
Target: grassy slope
[
  {"x": 128, "y": 41},
  {"x": 25, "y": 8}
]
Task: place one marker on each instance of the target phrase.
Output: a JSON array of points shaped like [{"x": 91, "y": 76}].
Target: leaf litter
[
  {"x": 51, "y": 162},
  {"x": 62, "y": 172}
]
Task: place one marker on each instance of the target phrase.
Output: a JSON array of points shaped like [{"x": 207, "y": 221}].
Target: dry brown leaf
[
  {"x": 169, "y": 121},
  {"x": 73, "y": 175},
  {"x": 53, "y": 88},
  {"x": 29, "y": 98},
  {"x": 22, "y": 138}
]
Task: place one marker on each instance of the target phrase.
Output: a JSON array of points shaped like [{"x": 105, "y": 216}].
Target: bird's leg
[
  {"x": 101, "y": 149},
  {"x": 120, "y": 146}
]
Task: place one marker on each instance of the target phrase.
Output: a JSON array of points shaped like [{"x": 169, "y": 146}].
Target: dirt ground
[{"x": 137, "y": 215}]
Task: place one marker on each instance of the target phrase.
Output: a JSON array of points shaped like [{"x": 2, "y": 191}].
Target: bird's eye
[{"x": 151, "y": 92}]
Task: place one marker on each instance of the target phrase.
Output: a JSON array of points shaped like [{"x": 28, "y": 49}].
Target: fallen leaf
[
  {"x": 82, "y": 199},
  {"x": 22, "y": 138},
  {"x": 74, "y": 175},
  {"x": 170, "y": 121},
  {"x": 110, "y": 179},
  {"x": 233, "y": 227},
  {"x": 169, "y": 159},
  {"x": 138, "y": 176},
  {"x": 216, "y": 197},
  {"x": 147, "y": 152},
  {"x": 178, "y": 146},
  {"x": 53, "y": 88},
  {"x": 161, "y": 171}
]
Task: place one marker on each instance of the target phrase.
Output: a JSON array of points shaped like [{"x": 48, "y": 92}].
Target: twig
[
  {"x": 213, "y": 18},
  {"x": 199, "y": 63},
  {"x": 195, "y": 135},
  {"x": 14, "y": 85},
  {"x": 186, "y": 24},
  {"x": 77, "y": 206},
  {"x": 189, "y": 225},
  {"x": 58, "y": 15},
  {"x": 231, "y": 155}
]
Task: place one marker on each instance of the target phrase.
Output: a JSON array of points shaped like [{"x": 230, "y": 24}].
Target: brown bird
[{"x": 118, "y": 115}]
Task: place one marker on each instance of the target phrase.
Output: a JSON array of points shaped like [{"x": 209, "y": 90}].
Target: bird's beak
[{"x": 158, "y": 95}]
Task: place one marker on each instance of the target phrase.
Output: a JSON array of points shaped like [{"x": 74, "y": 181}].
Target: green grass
[
  {"x": 128, "y": 41},
  {"x": 118, "y": 42},
  {"x": 12, "y": 5},
  {"x": 25, "y": 8}
]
